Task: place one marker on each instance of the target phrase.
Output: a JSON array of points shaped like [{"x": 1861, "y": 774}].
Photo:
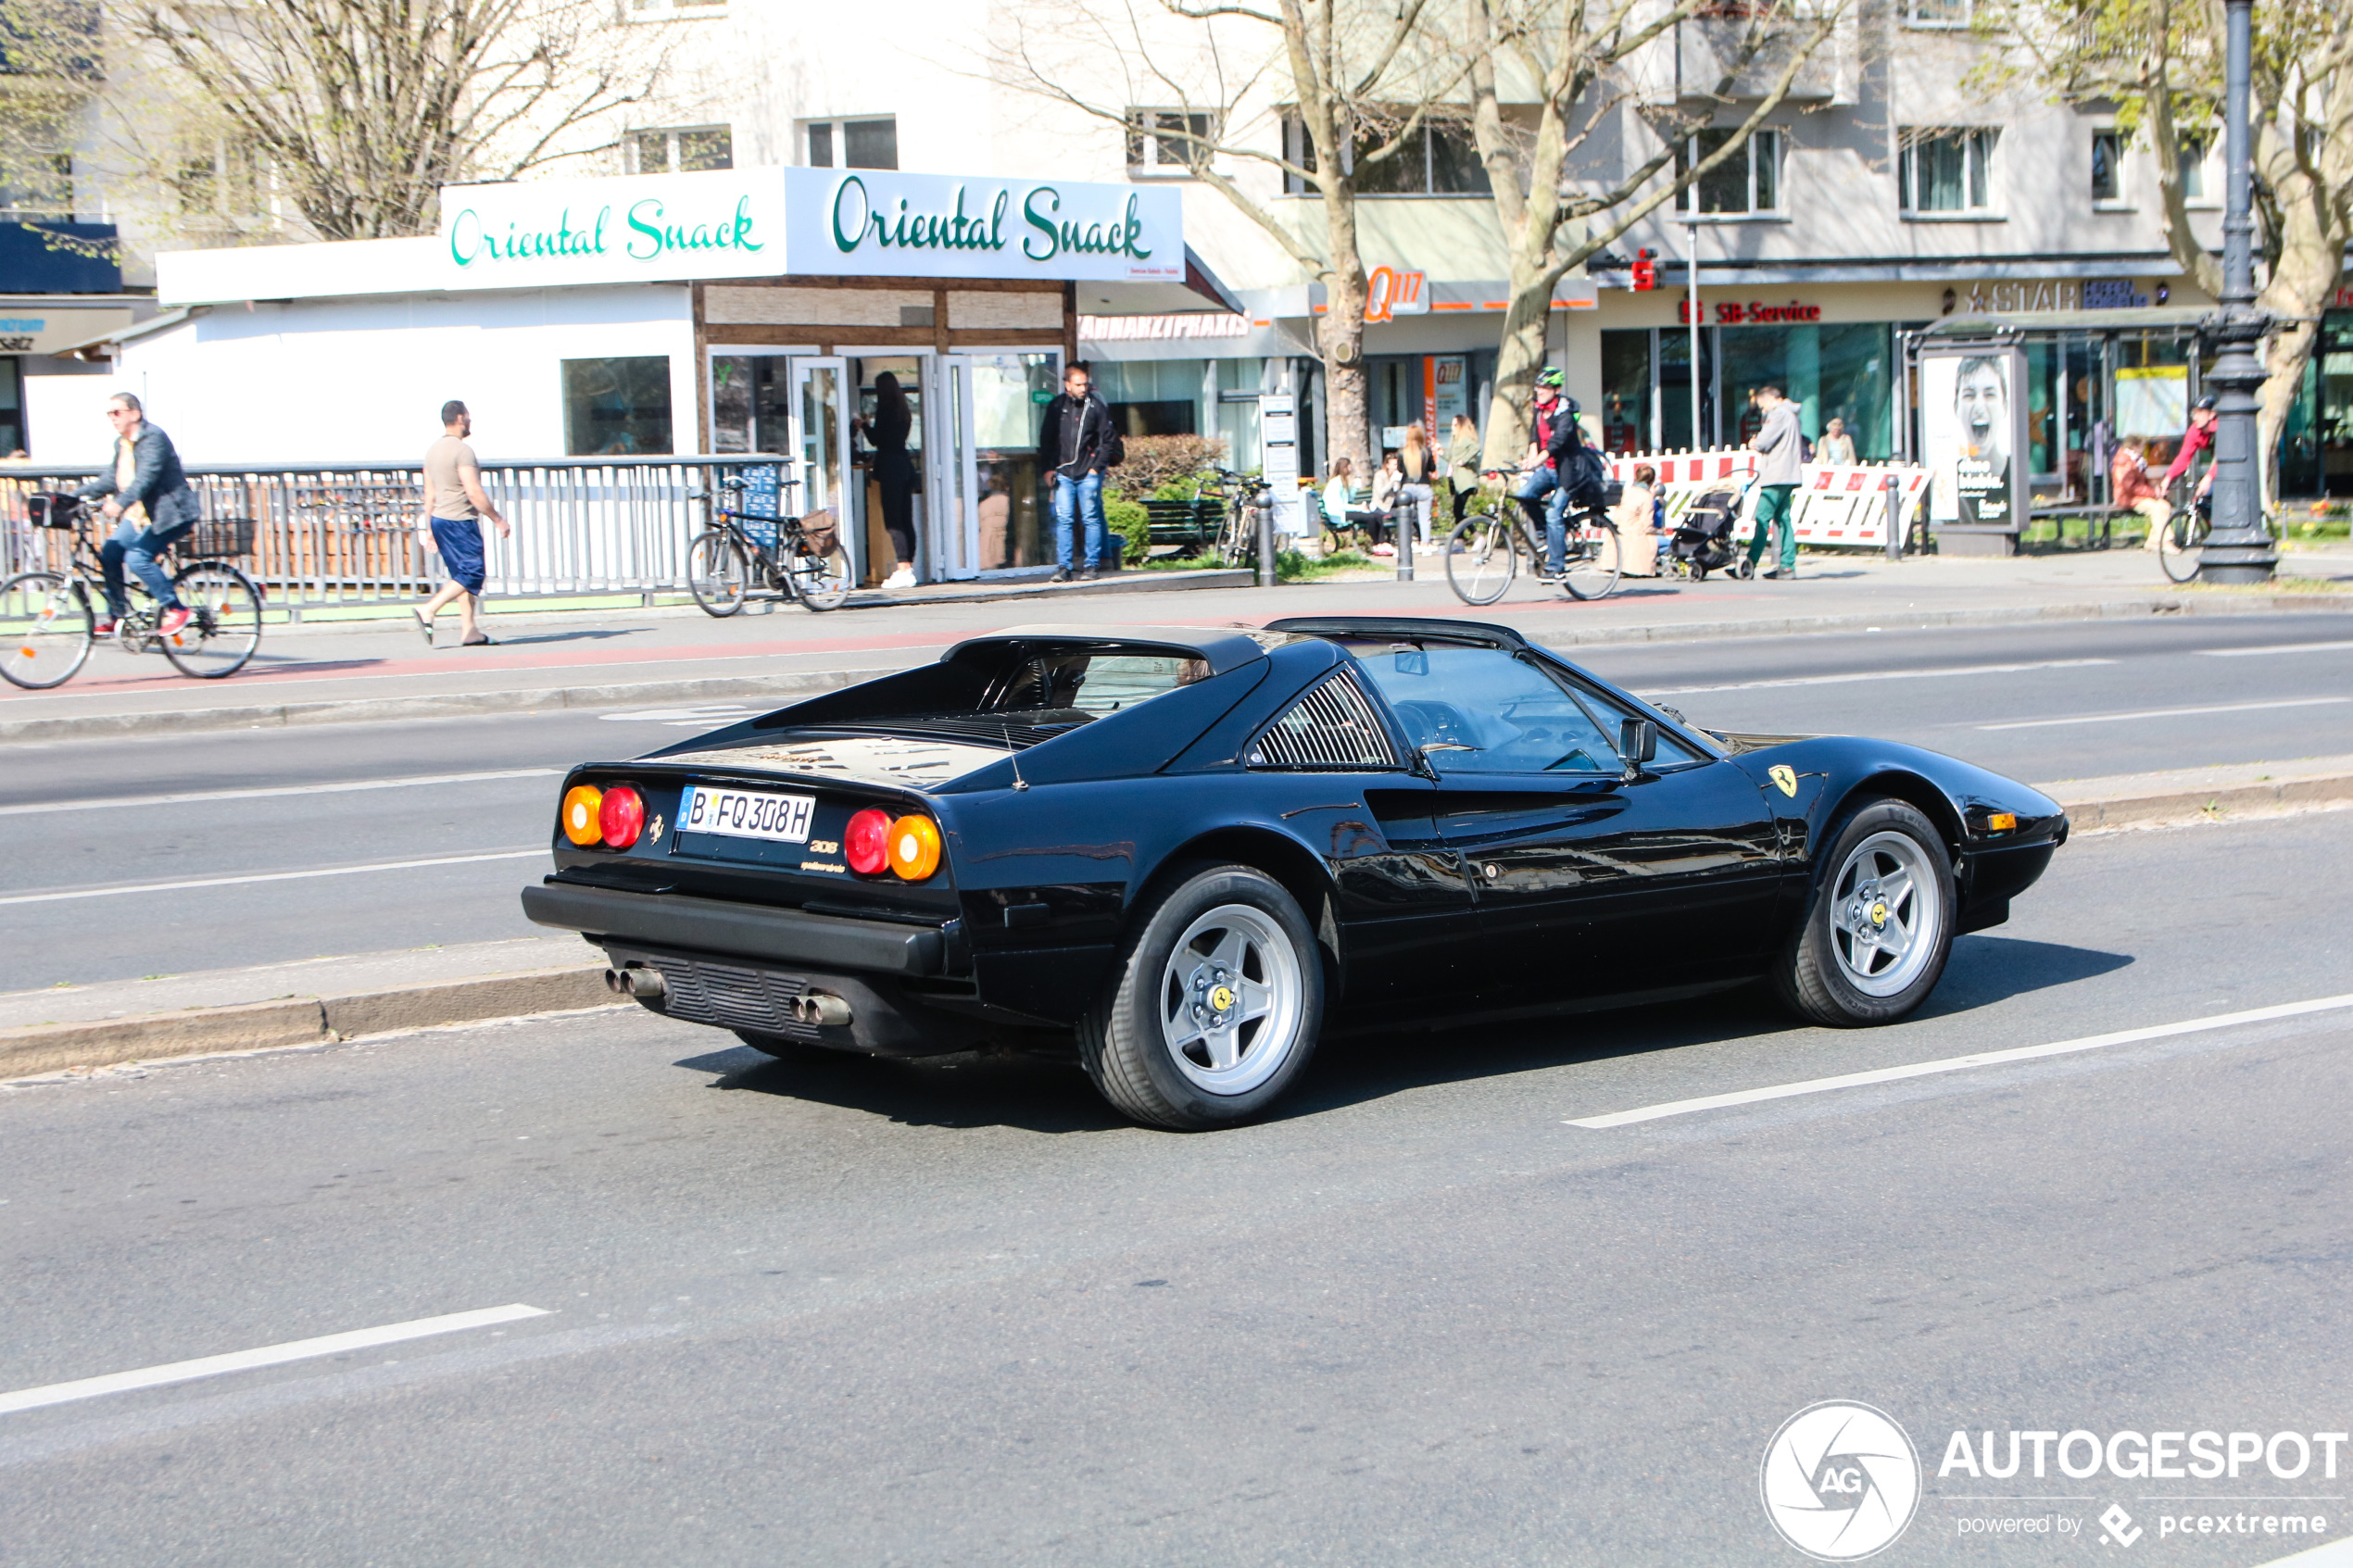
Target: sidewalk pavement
[
  {"x": 72, "y": 1030},
  {"x": 629, "y": 656}
]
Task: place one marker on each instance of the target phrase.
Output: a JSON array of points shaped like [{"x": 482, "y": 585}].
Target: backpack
[{"x": 1582, "y": 472}]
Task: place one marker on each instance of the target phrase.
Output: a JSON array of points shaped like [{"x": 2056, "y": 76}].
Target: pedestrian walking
[
  {"x": 456, "y": 509},
  {"x": 1076, "y": 444},
  {"x": 1776, "y": 442},
  {"x": 1417, "y": 469},
  {"x": 149, "y": 495},
  {"x": 2129, "y": 482},
  {"x": 1836, "y": 446},
  {"x": 1462, "y": 463}
]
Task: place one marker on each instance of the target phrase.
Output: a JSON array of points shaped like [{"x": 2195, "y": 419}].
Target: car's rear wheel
[
  {"x": 1216, "y": 1006},
  {"x": 1879, "y": 927}
]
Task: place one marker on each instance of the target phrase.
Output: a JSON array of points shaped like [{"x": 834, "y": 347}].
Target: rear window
[{"x": 1092, "y": 684}]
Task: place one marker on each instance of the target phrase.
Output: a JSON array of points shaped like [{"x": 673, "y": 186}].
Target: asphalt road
[
  {"x": 2066, "y": 701},
  {"x": 957, "y": 1312}
]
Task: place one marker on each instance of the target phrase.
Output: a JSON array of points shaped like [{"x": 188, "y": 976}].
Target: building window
[
  {"x": 1152, "y": 151},
  {"x": 2194, "y": 147},
  {"x": 38, "y": 184},
  {"x": 1940, "y": 13},
  {"x": 1441, "y": 159},
  {"x": 1948, "y": 171},
  {"x": 1748, "y": 181},
  {"x": 2107, "y": 153},
  {"x": 682, "y": 151},
  {"x": 617, "y": 407},
  {"x": 851, "y": 143}
]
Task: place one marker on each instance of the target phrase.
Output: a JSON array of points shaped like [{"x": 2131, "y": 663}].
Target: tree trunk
[
  {"x": 1517, "y": 358},
  {"x": 1340, "y": 334},
  {"x": 2302, "y": 285}
]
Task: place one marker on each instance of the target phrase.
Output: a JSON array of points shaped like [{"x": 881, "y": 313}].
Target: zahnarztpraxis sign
[{"x": 777, "y": 222}]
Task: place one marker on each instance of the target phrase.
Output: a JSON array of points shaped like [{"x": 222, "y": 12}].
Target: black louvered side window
[{"x": 1332, "y": 726}]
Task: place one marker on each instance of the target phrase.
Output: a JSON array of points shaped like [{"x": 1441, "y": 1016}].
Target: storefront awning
[
  {"x": 1200, "y": 290},
  {"x": 2150, "y": 318}
]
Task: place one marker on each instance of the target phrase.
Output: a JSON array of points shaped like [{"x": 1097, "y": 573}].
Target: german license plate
[{"x": 743, "y": 813}]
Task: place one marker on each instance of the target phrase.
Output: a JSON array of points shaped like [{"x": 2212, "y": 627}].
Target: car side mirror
[{"x": 1637, "y": 743}]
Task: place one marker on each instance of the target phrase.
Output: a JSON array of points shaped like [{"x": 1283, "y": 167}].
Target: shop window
[
  {"x": 12, "y": 441},
  {"x": 1748, "y": 181},
  {"x": 1440, "y": 160},
  {"x": 1948, "y": 171},
  {"x": 1161, "y": 142},
  {"x": 617, "y": 407},
  {"x": 2108, "y": 155},
  {"x": 682, "y": 150},
  {"x": 1940, "y": 13},
  {"x": 851, "y": 143}
]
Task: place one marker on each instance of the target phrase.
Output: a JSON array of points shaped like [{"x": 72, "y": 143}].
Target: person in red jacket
[{"x": 2197, "y": 439}]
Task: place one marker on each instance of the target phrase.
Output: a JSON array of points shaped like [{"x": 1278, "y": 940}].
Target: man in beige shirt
[{"x": 455, "y": 510}]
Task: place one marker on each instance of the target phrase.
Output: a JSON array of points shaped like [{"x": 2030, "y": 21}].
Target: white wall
[
  {"x": 351, "y": 380},
  {"x": 66, "y": 417}
]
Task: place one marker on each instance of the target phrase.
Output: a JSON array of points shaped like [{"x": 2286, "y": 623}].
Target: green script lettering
[{"x": 1043, "y": 222}]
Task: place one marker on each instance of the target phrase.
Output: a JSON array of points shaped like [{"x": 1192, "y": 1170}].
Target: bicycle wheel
[
  {"x": 2180, "y": 550},
  {"x": 716, "y": 572},
  {"x": 46, "y": 630},
  {"x": 225, "y": 625},
  {"x": 821, "y": 581},
  {"x": 1481, "y": 559},
  {"x": 1594, "y": 563},
  {"x": 1237, "y": 538}
]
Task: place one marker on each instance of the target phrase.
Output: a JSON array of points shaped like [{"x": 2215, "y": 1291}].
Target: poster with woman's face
[{"x": 1968, "y": 431}]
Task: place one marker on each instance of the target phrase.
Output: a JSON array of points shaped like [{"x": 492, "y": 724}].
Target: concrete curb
[
  {"x": 2206, "y": 805},
  {"x": 298, "y": 1021},
  {"x": 712, "y": 688}
]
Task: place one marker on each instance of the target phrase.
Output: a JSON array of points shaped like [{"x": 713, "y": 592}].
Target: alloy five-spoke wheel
[
  {"x": 1880, "y": 925},
  {"x": 1214, "y": 1007}
]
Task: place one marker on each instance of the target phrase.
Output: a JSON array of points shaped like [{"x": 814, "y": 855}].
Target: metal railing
[{"x": 346, "y": 534}]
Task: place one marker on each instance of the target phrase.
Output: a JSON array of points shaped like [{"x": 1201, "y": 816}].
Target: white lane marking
[
  {"x": 2164, "y": 713},
  {"x": 678, "y": 715},
  {"x": 1842, "y": 679},
  {"x": 195, "y": 795},
  {"x": 271, "y": 876},
  {"x": 2274, "y": 648},
  {"x": 269, "y": 1355},
  {"x": 1959, "y": 1063}
]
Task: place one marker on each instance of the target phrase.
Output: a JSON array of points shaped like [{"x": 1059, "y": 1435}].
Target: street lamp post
[{"x": 2239, "y": 549}]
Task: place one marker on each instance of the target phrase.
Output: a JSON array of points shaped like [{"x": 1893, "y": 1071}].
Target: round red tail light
[
  {"x": 866, "y": 842},
  {"x": 621, "y": 816}
]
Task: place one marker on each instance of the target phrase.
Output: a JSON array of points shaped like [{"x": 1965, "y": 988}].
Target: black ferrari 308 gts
[{"x": 1197, "y": 852}]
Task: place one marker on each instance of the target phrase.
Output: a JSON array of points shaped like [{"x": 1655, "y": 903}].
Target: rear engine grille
[
  {"x": 756, "y": 999},
  {"x": 1333, "y": 726}
]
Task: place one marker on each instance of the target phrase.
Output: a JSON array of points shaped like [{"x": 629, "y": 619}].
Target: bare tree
[
  {"x": 1319, "y": 94},
  {"x": 1582, "y": 58},
  {"x": 337, "y": 118},
  {"x": 2161, "y": 62}
]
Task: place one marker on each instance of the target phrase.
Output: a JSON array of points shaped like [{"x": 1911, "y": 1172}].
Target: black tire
[
  {"x": 1595, "y": 576},
  {"x": 46, "y": 630},
  {"x": 1130, "y": 1042},
  {"x": 2182, "y": 550},
  {"x": 717, "y": 572},
  {"x": 1831, "y": 971},
  {"x": 225, "y": 626},
  {"x": 1481, "y": 559}
]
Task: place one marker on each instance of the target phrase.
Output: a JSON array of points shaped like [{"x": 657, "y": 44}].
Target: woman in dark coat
[{"x": 895, "y": 472}]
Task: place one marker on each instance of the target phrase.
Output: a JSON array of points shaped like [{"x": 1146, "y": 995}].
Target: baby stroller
[{"x": 1702, "y": 541}]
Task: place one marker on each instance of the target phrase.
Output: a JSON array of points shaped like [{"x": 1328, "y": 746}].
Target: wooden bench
[{"x": 2099, "y": 520}]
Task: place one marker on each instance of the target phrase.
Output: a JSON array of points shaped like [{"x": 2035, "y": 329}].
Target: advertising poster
[
  {"x": 1445, "y": 392},
  {"x": 2152, "y": 401},
  {"x": 1973, "y": 437}
]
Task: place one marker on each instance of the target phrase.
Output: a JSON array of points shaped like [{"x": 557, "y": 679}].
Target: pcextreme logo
[{"x": 1841, "y": 1481}]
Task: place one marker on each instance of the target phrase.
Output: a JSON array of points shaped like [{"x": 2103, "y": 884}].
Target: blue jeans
[
  {"x": 1075, "y": 498},
  {"x": 1543, "y": 484},
  {"x": 136, "y": 544}
]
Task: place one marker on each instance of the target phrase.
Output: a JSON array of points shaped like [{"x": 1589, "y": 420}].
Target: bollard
[
  {"x": 1895, "y": 491},
  {"x": 1268, "y": 572},
  {"x": 1402, "y": 533}
]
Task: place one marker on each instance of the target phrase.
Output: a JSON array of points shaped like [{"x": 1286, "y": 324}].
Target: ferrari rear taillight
[
  {"x": 914, "y": 848},
  {"x": 866, "y": 842},
  {"x": 583, "y": 807},
  {"x": 621, "y": 817}
]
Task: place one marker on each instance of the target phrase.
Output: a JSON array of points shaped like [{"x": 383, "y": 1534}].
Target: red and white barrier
[{"x": 1838, "y": 505}]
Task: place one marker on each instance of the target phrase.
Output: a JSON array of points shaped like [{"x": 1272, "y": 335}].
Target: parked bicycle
[
  {"x": 48, "y": 620},
  {"x": 1247, "y": 496},
  {"x": 1482, "y": 555},
  {"x": 801, "y": 561}
]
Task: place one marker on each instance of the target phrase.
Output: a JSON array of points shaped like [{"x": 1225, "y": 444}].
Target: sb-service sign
[{"x": 879, "y": 222}]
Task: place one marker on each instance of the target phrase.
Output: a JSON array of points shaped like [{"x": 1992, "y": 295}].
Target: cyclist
[
  {"x": 151, "y": 496},
  {"x": 1560, "y": 471}
]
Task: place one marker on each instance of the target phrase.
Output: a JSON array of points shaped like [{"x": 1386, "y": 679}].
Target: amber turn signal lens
[
  {"x": 583, "y": 806},
  {"x": 866, "y": 842},
  {"x": 914, "y": 848},
  {"x": 621, "y": 817},
  {"x": 2001, "y": 822}
]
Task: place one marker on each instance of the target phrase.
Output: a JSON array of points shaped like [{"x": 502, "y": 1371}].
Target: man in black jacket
[
  {"x": 1075, "y": 447},
  {"x": 150, "y": 495}
]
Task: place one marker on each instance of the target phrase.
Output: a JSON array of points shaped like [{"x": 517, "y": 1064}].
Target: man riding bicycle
[
  {"x": 156, "y": 505},
  {"x": 1552, "y": 479}
]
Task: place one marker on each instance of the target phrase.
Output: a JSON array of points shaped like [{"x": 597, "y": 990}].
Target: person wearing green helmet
[{"x": 1544, "y": 488}]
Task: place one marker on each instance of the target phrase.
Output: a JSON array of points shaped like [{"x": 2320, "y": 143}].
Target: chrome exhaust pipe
[
  {"x": 823, "y": 1008},
  {"x": 634, "y": 981}
]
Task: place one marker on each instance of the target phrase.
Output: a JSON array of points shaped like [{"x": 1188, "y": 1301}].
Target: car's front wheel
[
  {"x": 1216, "y": 1005},
  {"x": 1880, "y": 925}
]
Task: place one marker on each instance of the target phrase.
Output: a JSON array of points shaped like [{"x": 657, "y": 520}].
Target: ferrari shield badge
[{"x": 1784, "y": 778}]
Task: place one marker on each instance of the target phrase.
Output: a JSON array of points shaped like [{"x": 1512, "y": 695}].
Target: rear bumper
[{"x": 791, "y": 938}]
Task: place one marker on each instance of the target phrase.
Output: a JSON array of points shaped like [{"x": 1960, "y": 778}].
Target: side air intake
[{"x": 1331, "y": 727}]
